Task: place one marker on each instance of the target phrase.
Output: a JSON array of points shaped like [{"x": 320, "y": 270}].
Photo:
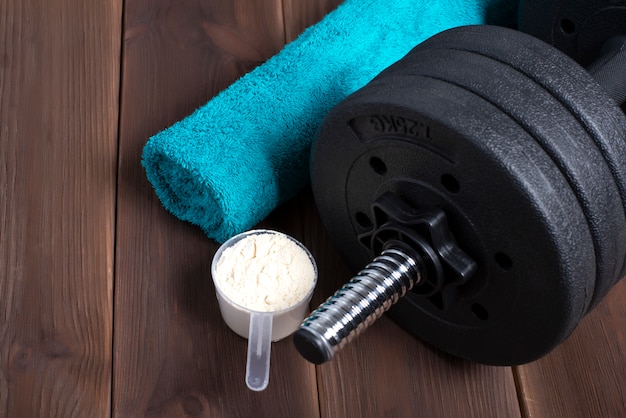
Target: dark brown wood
[
  {"x": 173, "y": 354},
  {"x": 387, "y": 372},
  {"x": 59, "y": 86},
  {"x": 586, "y": 375},
  {"x": 107, "y": 307},
  {"x": 299, "y": 14}
]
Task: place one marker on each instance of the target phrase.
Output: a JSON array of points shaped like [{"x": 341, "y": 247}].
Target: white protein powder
[{"x": 265, "y": 272}]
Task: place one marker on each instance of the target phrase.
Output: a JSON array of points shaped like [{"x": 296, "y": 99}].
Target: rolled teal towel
[{"x": 236, "y": 158}]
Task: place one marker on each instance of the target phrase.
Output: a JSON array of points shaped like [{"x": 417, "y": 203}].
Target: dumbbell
[{"x": 481, "y": 181}]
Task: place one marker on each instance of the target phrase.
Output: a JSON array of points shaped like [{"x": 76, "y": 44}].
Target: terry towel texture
[{"x": 230, "y": 163}]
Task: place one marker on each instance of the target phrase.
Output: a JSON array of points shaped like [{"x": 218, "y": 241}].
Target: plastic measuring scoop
[
  {"x": 260, "y": 327},
  {"x": 259, "y": 350}
]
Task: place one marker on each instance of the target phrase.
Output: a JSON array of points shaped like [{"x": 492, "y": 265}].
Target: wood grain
[
  {"x": 299, "y": 14},
  {"x": 173, "y": 354},
  {"x": 59, "y": 85},
  {"x": 385, "y": 372},
  {"x": 586, "y": 375},
  {"x": 107, "y": 307}
]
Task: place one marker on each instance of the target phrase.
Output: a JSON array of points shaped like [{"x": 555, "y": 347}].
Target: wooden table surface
[{"x": 107, "y": 306}]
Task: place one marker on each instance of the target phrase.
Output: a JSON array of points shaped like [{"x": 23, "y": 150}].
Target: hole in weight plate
[
  {"x": 378, "y": 166},
  {"x": 450, "y": 183},
  {"x": 480, "y": 312},
  {"x": 504, "y": 261},
  {"x": 567, "y": 27},
  {"x": 363, "y": 220}
]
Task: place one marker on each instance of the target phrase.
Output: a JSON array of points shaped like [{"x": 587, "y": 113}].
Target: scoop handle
[{"x": 259, "y": 350}]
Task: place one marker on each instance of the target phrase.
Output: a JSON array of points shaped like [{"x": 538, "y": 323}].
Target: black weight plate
[
  {"x": 569, "y": 83},
  {"x": 577, "y": 28},
  {"x": 566, "y": 80},
  {"x": 556, "y": 130},
  {"x": 408, "y": 135}
]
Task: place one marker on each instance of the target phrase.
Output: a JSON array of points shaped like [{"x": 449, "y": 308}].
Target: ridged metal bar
[{"x": 358, "y": 303}]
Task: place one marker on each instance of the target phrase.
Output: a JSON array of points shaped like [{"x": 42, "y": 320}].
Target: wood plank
[
  {"x": 173, "y": 354},
  {"x": 385, "y": 371},
  {"x": 586, "y": 375},
  {"x": 299, "y": 14},
  {"x": 59, "y": 86}
]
